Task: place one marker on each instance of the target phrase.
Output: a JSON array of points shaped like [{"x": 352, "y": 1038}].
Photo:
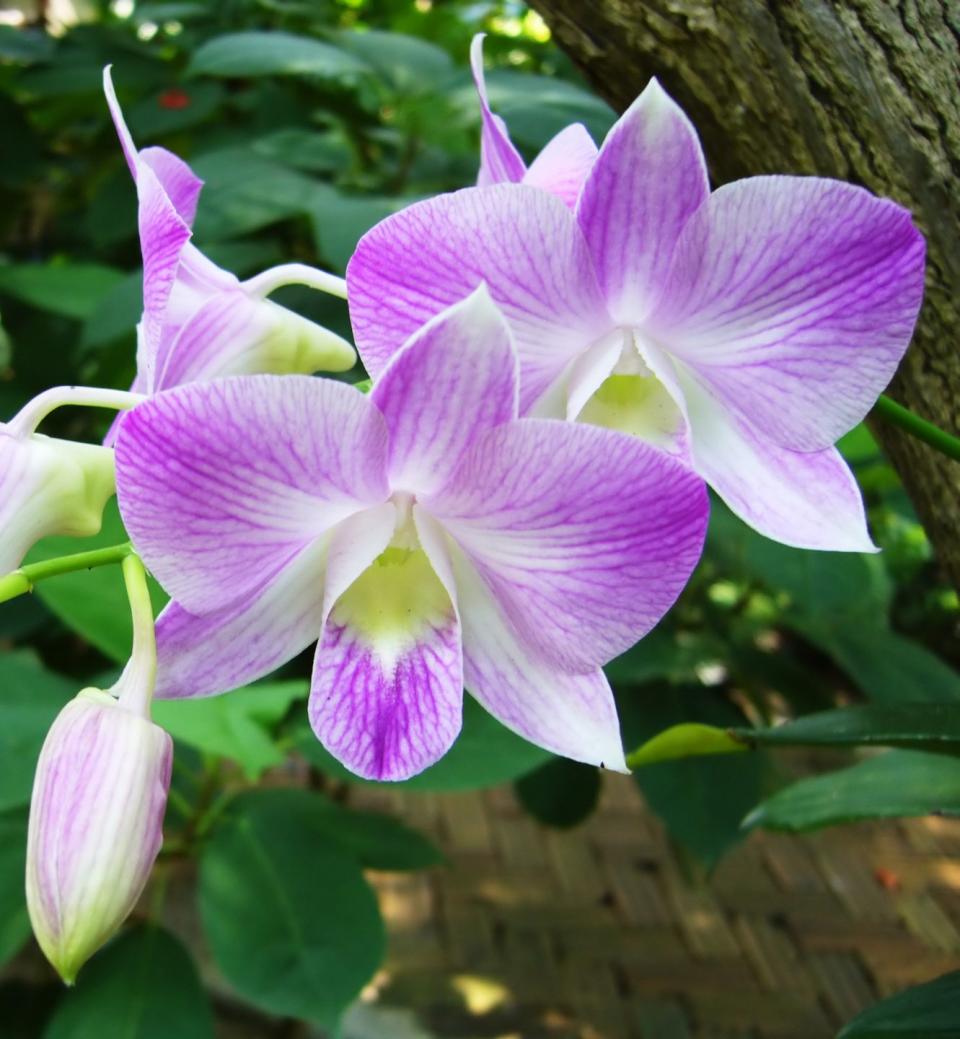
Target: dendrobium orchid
[
  {"x": 561, "y": 166},
  {"x": 742, "y": 331},
  {"x": 425, "y": 534},
  {"x": 200, "y": 321}
]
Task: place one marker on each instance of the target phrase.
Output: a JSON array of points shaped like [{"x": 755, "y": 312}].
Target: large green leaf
[
  {"x": 142, "y": 986},
  {"x": 930, "y": 1011},
  {"x": 30, "y": 698},
  {"x": 485, "y": 754},
  {"x": 560, "y": 792},
  {"x": 340, "y": 220},
  {"x": 235, "y": 725},
  {"x": 93, "y": 602},
  {"x": 896, "y": 783},
  {"x": 243, "y": 54},
  {"x": 406, "y": 64},
  {"x": 290, "y": 920},
  {"x": 14, "y": 922},
  {"x": 71, "y": 289}
]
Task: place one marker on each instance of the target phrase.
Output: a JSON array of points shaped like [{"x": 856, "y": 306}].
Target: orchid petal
[
  {"x": 232, "y": 333},
  {"x": 49, "y": 486},
  {"x": 585, "y": 537},
  {"x": 230, "y": 647},
  {"x": 563, "y": 164},
  {"x": 524, "y": 243},
  {"x": 222, "y": 482},
  {"x": 569, "y": 714},
  {"x": 454, "y": 378},
  {"x": 647, "y": 180},
  {"x": 387, "y": 691},
  {"x": 794, "y": 299},
  {"x": 803, "y": 499},
  {"x": 499, "y": 159}
]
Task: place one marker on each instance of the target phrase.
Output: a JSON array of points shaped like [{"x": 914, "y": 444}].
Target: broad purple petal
[
  {"x": 584, "y": 536},
  {"x": 804, "y": 499},
  {"x": 454, "y": 379},
  {"x": 522, "y": 242},
  {"x": 563, "y": 164},
  {"x": 499, "y": 160},
  {"x": 230, "y": 647},
  {"x": 794, "y": 299},
  {"x": 648, "y": 179},
  {"x": 223, "y": 482},
  {"x": 569, "y": 714},
  {"x": 387, "y": 691}
]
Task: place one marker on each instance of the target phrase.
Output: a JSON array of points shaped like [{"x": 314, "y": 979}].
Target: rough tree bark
[{"x": 863, "y": 90}]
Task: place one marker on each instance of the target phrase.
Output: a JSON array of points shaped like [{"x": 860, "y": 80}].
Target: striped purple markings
[
  {"x": 744, "y": 331},
  {"x": 425, "y": 536}
]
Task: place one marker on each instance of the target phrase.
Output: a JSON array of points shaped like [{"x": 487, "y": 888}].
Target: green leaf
[
  {"x": 243, "y": 54},
  {"x": 560, "y": 793},
  {"x": 407, "y": 64},
  {"x": 485, "y": 754},
  {"x": 894, "y": 784},
  {"x": 923, "y": 1012},
  {"x": 142, "y": 986},
  {"x": 289, "y": 918},
  {"x": 918, "y": 726},
  {"x": 117, "y": 313},
  {"x": 340, "y": 220},
  {"x": 236, "y": 725},
  {"x": 31, "y": 698},
  {"x": 73, "y": 290},
  {"x": 689, "y": 740},
  {"x": 14, "y": 922},
  {"x": 93, "y": 602},
  {"x": 310, "y": 150},
  {"x": 149, "y": 118},
  {"x": 701, "y": 800}
]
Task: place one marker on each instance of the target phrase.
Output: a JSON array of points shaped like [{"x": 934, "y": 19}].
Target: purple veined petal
[
  {"x": 49, "y": 486},
  {"x": 453, "y": 379},
  {"x": 228, "y": 648},
  {"x": 569, "y": 714},
  {"x": 563, "y": 164},
  {"x": 232, "y": 333},
  {"x": 647, "y": 180},
  {"x": 803, "y": 499},
  {"x": 387, "y": 692},
  {"x": 499, "y": 160},
  {"x": 522, "y": 242},
  {"x": 222, "y": 482},
  {"x": 794, "y": 298},
  {"x": 583, "y": 536}
]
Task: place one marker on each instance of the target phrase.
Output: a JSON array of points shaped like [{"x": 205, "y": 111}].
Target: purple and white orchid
[
  {"x": 560, "y": 168},
  {"x": 199, "y": 321},
  {"x": 743, "y": 331},
  {"x": 428, "y": 537}
]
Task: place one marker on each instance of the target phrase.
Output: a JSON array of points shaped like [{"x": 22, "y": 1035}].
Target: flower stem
[
  {"x": 296, "y": 274},
  {"x": 24, "y": 579},
  {"x": 918, "y": 427},
  {"x": 135, "y": 687},
  {"x": 35, "y": 411}
]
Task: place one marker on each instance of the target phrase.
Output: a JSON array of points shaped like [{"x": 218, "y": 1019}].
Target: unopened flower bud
[
  {"x": 49, "y": 486},
  {"x": 96, "y": 821}
]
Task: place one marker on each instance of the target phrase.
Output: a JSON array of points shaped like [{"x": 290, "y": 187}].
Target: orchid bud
[
  {"x": 96, "y": 821},
  {"x": 49, "y": 486}
]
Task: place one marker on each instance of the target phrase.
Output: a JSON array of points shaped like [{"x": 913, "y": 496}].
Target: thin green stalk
[
  {"x": 136, "y": 684},
  {"x": 24, "y": 579},
  {"x": 920, "y": 428}
]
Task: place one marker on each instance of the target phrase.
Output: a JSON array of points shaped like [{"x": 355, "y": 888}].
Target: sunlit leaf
[{"x": 272, "y": 54}]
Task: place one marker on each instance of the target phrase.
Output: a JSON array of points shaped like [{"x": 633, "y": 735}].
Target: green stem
[
  {"x": 24, "y": 579},
  {"x": 920, "y": 428},
  {"x": 136, "y": 684}
]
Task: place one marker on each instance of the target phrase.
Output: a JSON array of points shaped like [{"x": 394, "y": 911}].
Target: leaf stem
[
  {"x": 24, "y": 579},
  {"x": 918, "y": 427}
]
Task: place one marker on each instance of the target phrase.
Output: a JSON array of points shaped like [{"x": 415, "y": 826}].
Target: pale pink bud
[{"x": 96, "y": 822}]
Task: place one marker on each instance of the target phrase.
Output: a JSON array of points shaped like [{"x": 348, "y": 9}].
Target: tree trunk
[{"x": 863, "y": 90}]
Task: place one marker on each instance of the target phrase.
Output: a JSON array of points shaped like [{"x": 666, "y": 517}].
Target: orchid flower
[
  {"x": 200, "y": 321},
  {"x": 742, "y": 331},
  {"x": 561, "y": 166},
  {"x": 424, "y": 534}
]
